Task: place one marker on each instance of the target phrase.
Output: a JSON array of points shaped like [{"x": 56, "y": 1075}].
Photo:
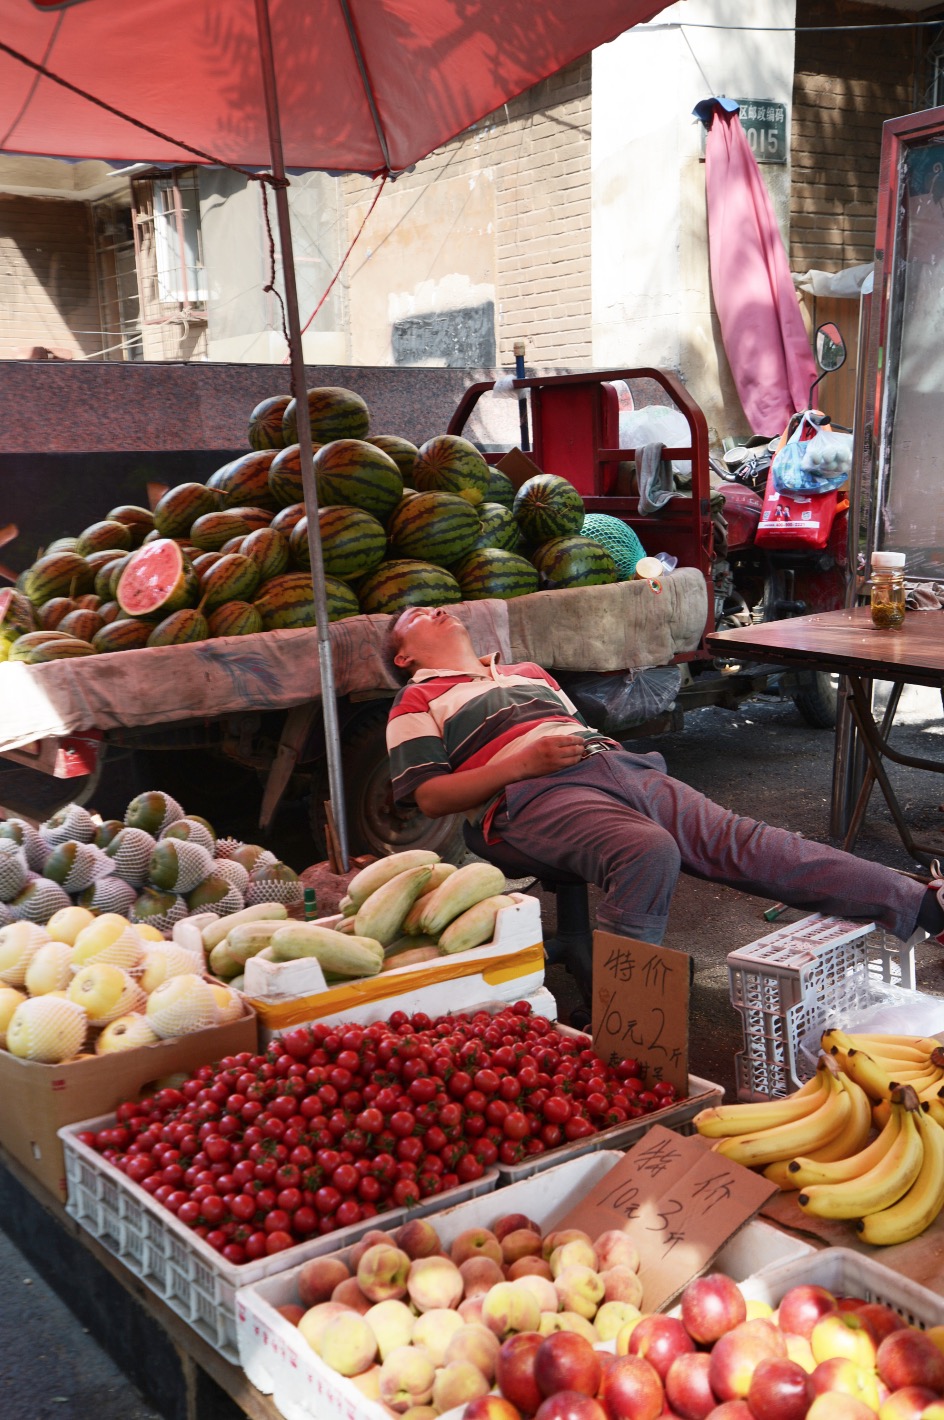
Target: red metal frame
[{"x": 575, "y": 433}]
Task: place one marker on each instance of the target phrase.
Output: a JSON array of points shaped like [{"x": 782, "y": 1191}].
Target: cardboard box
[
  {"x": 508, "y": 968},
  {"x": 37, "y": 1100}
]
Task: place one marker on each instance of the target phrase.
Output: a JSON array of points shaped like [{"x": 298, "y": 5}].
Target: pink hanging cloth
[{"x": 763, "y": 332}]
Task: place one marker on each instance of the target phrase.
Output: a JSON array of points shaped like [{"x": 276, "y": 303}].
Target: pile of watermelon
[{"x": 399, "y": 526}]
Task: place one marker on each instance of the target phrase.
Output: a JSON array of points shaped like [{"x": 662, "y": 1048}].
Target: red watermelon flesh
[{"x": 157, "y": 578}]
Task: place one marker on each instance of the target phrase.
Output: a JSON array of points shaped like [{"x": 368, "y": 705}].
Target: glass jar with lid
[{"x": 887, "y": 590}]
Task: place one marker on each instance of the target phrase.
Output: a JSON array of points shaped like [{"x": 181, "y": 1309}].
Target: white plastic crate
[
  {"x": 785, "y": 985},
  {"x": 850, "y": 1274},
  {"x": 177, "y": 1264},
  {"x": 280, "y": 1363}
]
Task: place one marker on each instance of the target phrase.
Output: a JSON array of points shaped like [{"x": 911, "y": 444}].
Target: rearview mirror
[{"x": 829, "y": 347}]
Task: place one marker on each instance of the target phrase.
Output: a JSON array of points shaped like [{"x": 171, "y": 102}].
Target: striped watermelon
[
  {"x": 268, "y": 548},
  {"x": 16, "y": 616},
  {"x": 81, "y": 623},
  {"x": 401, "y": 451},
  {"x": 180, "y": 507},
  {"x": 547, "y": 507},
  {"x": 356, "y": 474},
  {"x": 205, "y": 560},
  {"x": 333, "y": 413},
  {"x": 245, "y": 483},
  {"x": 51, "y": 613},
  {"x": 235, "y": 619},
  {"x": 233, "y": 578},
  {"x": 217, "y": 479},
  {"x": 139, "y": 520},
  {"x": 98, "y": 560},
  {"x": 234, "y": 544},
  {"x": 407, "y": 582},
  {"x": 265, "y": 423},
  {"x": 288, "y": 601},
  {"x": 497, "y": 527},
  {"x": 157, "y": 580},
  {"x": 109, "y": 611},
  {"x": 285, "y": 520},
  {"x": 58, "y": 574},
  {"x": 352, "y": 542},
  {"x": 493, "y": 572},
  {"x": 574, "y": 561},
  {"x": 62, "y": 544},
  {"x": 285, "y": 476},
  {"x": 448, "y": 464},
  {"x": 112, "y": 577},
  {"x": 180, "y": 628},
  {"x": 500, "y": 488},
  {"x": 124, "y": 635},
  {"x": 103, "y": 536},
  {"x": 210, "y": 532},
  {"x": 434, "y": 527},
  {"x": 34, "y": 648}
]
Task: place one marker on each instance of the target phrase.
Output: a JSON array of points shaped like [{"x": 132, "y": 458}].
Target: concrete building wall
[
  {"x": 486, "y": 242},
  {"x": 48, "y": 283},
  {"x": 651, "y": 288}
]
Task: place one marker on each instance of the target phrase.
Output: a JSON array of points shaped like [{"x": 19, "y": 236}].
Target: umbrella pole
[{"x": 299, "y": 390}]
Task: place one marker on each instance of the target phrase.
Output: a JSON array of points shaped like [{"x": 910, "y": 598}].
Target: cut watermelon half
[{"x": 157, "y": 580}]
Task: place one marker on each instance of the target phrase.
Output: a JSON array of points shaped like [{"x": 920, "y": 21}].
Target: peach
[
  {"x": 348, "y": 1345},
  {"x": 523, "y": 1242},
  {"x": 392, "y": 1323},
  {"x": 511, "y": 1222},
  {"x": 622, "y": 1284},
  {"x": 476, "y": 1344},
  {"x": 508, "y": 1309},
  {"x": 475, "y": 1242},
  {"x": 457, "y": 1384},
  {"x": 316, "y": 1319},
  {"x": 616, "y": 1249},
  {"x": 543, "y": 1291},
  {"x": 382, "y": 1272},
  {"x": 529, "y": 1267},
  {"x": 624, "y": 1335},
  {"x": 470, "y": 1309},
  {"x": 406, "y": 1378},
  {"x": 552, "y": 1322},
  {"x": 318, "y": 1278},
  {"x": 798, "y": 1348},
  {"x": 368, "y": 1383},
  {"x": 580, "y": 1290},
  {"x": 575, "y": 1253},
  {"x": 417, "y": 1238},
  {"x": 349, "y": 1295},
  {"x": 370, "y": 1239},
  {"x": 612, "y": 1317},
  {"x": 292, "y": 1312},
  {"x": 433, "y": 1330},
  {"x": 479, "y": 1274},
  {"x": 560, "y": 1236},
  {"x": 434, "y": 1282}
]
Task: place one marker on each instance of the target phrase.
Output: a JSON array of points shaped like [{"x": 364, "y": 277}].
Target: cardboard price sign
[
  {"x": 640, "y": 1006},
  {"x": 679, "y": 1202}
]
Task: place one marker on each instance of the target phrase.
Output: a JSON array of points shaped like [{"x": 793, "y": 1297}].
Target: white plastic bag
[
  {"x": 828, "y": 452},
  {"x": 656, "y": 424}
]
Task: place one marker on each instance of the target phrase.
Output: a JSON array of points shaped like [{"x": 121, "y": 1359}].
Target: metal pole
[
  {"x": 522, "y": 398},
  {"x": 300, "y": 392}
]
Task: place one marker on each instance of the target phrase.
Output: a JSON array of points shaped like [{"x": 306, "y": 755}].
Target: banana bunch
[{"x": 882, "y": 1063}]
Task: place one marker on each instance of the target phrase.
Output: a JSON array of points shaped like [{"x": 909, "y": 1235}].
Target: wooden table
[{"x": 846, "y": 642}]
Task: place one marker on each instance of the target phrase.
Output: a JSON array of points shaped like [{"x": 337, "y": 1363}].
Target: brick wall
[
  {"x": 48, "y": 286},
  {"x": 536, "y": 153},
  {"x": 846, "y": 84}
]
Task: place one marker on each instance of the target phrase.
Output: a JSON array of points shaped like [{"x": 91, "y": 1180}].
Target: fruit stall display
[
  {"x": 863, "y": 1140},
  {"x": 399, "y": 526}
]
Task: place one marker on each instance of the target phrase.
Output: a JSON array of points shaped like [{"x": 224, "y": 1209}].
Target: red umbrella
[{"x": 366, "y": 86}]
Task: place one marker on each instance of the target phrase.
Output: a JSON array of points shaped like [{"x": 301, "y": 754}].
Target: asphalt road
[{"x": 761, "y": 760}]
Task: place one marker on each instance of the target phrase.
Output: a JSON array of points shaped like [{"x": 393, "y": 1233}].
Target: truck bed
[{"x": 625, "y": 626}]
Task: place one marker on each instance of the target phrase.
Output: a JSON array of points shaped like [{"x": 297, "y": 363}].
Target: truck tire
[
  {"x": 817, "y": 698},
  {"x": 375, "y": 824}
]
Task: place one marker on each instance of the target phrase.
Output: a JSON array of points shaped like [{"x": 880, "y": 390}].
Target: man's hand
[{"x": 544, "y": 756}]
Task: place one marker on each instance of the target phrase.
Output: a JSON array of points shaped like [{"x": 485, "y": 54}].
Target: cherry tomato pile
[{"x": 336, "y": 1124}]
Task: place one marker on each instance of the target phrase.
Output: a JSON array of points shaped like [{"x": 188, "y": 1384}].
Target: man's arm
[{"x": 464, "y": 789}]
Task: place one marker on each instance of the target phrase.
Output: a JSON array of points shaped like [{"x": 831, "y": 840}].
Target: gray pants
[{"x": 620, "y": 821}]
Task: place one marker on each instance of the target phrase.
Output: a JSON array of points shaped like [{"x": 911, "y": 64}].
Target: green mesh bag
[{"x": 619, "y": 540}]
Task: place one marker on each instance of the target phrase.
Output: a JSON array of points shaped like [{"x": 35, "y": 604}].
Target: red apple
[
  {"x": 833, "y": 1405},
  {"x": 566, "y": 1361},
  {"x": 802, "y": 1307},
  {"x": 844, "y": 1334},
  {"x": 908, "y": 1357},
  {"x": 659, "y": 1340},
  {"x": 736, "y": 1355},
  {"x": 514, "y": 1370},
  {"x": 632, "y": 1390},
  {"x": 909, "y": 1403},
  {"x": 687, "y": 1387},
  {"x": 711, "y": 1306},
  {"x": 731, "y": 1410},
  {"x": 779, "y": 1390},
  {"x": 571, "y": 1405},
  {"x": 880, "y": 1320},
  {"x": 840, "y": 1374},
  {"x": 491, "y": 1407}
]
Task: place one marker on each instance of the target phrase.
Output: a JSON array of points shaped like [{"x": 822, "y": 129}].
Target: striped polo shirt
[{"x": 443, "y": 722}]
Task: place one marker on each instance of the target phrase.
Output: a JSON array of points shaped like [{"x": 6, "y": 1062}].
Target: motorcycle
[{"x": 760, "y": 577}]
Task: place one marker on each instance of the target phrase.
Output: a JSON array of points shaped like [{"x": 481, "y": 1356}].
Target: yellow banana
[
  {"x": 916, "y": 1211},
  {"x": 810, "y": 1170},
  {"x": 779, "y": 1173},
  {"x": 879, "y": 1187},
  {"x": 936, "y": 1110},
  {"x": 931, "y": 1092},
  {"x": 915, "y": 1049},
  {"x": 726, "y": 1120},
  {"x": 881, "y": 1113},
  {"x": 854, "y": 1134},
  {"x": 787, "y": 1140},
  {"x": 860, "y": 1066}
]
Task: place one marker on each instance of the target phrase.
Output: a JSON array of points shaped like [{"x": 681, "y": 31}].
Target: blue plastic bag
[{"x": 794, "y": 472}]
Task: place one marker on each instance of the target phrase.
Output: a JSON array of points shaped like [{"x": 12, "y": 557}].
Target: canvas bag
[{"x": 796, "y": 519}]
